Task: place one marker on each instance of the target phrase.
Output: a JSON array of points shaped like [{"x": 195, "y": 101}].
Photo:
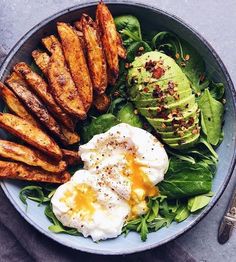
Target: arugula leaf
[
  {"x": 211, "y": 117},
  {"x": 127, "y": 115},
  {"x": 99, "y": 125},
  {"x": 184, "y": 179},
  {"x": 198, "y": 202},
  {"x": 217, "y": 90},
  {"x": 57, "y": 227},
  {"x": 34, "y": 193},
  {"x": 129, "y": 28},
  {"x": 143, "y": 228}
]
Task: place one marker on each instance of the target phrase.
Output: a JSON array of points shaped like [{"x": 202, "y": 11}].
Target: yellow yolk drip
[
  {"x": 141, "y": 187},
  {"x": 84, "y": 196}
]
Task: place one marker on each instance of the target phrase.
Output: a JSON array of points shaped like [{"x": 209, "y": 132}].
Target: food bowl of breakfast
[{"x": 117, "y": 127}]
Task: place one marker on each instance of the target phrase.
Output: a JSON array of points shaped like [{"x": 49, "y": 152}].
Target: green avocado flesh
[{"x": 162, "y": 94}]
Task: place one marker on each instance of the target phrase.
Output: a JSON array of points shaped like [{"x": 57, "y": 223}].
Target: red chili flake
[
  {"x": 145, "y": 90},
  {"x": 149, "y": 65},
  {"x": 158, "y": 72},
  {"x": 191, "y": 121}
]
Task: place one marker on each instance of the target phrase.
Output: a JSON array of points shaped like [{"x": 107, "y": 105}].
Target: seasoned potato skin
[
  {"x": 76, "y": 61},
  {"x": 95, "y": 55},
  {"x": 101, "y": 102},
  {"x": 14, "y": 104},
  {"x": 41, "y": 88},
  {"x": 61, "y": 82},
  {"x": 71, "y": 136},
  {"x": 79, "y": 31},
  {"x": 31, "y": 157},
  {"x": 72, "y": 158},
  {"x": 37, "y": 108},
  {"x": 30, "y": 134},
  {"x": 108, "y": 32},
  {"x": 13, "y": 170},
  {"x": 120, "y": 48}
]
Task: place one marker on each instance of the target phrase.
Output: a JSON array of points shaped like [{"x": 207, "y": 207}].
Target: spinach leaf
[
  {"x": 98, "y": 125},
  {"x": 182, "y": 213},
  {"x": 129, "y": 28},
  {"x": 134, "y": 48},
  {"x": 211, "y": 117},
  {"x": 184, "y": 179},
  {"x": 127, "y": 115},
  {"x": 34, "y": 193},
  {"x": 181, "y": 156},
  {"x": 198, "y": 202},
  {"x": 57, "y": 227}
]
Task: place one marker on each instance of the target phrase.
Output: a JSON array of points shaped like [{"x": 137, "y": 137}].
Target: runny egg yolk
[
  {"x": 83, "y": 197},
  {"x": 141, "y": 187}
]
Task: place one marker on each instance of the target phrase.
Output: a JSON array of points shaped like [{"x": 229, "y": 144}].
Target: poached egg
[{"x": 121, "y": 168}]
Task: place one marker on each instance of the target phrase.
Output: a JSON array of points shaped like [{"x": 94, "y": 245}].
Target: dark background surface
[{"x": 215, "y": 20}]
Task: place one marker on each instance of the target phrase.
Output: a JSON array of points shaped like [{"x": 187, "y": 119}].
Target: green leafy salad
[{"x": 163, "y": 88}]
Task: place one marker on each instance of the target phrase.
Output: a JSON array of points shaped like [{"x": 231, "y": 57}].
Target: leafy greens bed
[{"x": 186, "y": 188}]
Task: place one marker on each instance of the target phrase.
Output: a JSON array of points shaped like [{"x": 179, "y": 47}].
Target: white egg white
[{"x": 122, "y": 166}]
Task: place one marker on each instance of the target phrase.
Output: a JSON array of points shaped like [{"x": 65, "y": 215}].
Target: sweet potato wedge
[
  {"x": 41, "y": 88},
  {"x": 42, "y": 60},
  {"x": 13, "y": 170},
  {"x": 31, "y": 157},
  {"x": 30, "y": 134},
  {"x": 61, "y": 82},
  {"x": 109, "y": 38},
  {"x": 101, "y": 102},
  {"x": 76, "y": 61},
  {"x": 34, "y": 105},
  {"x": 95, "y": 55},
  {"x": 72, "y": 158},
  {"x": 14, "y": 104}
]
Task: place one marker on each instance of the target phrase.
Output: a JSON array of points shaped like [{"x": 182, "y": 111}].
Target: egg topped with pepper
[{"x": 121, "y": 168}]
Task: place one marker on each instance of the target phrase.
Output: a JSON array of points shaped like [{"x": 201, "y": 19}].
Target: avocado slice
[
  {"x": 191, "y": 112},
  {"x": 186, "y": 144},
  {"x": 141, "y": 64},
  {"x": 182, "y": 139},
  {"x": 174, "y": 134},
  {"x": 147, "y": 90},
  {"x": 182, "y": 105},
  {"x": 167, "y": 100}
]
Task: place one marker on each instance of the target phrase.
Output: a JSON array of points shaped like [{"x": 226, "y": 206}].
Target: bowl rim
[{"x": 219, "y": 193}]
